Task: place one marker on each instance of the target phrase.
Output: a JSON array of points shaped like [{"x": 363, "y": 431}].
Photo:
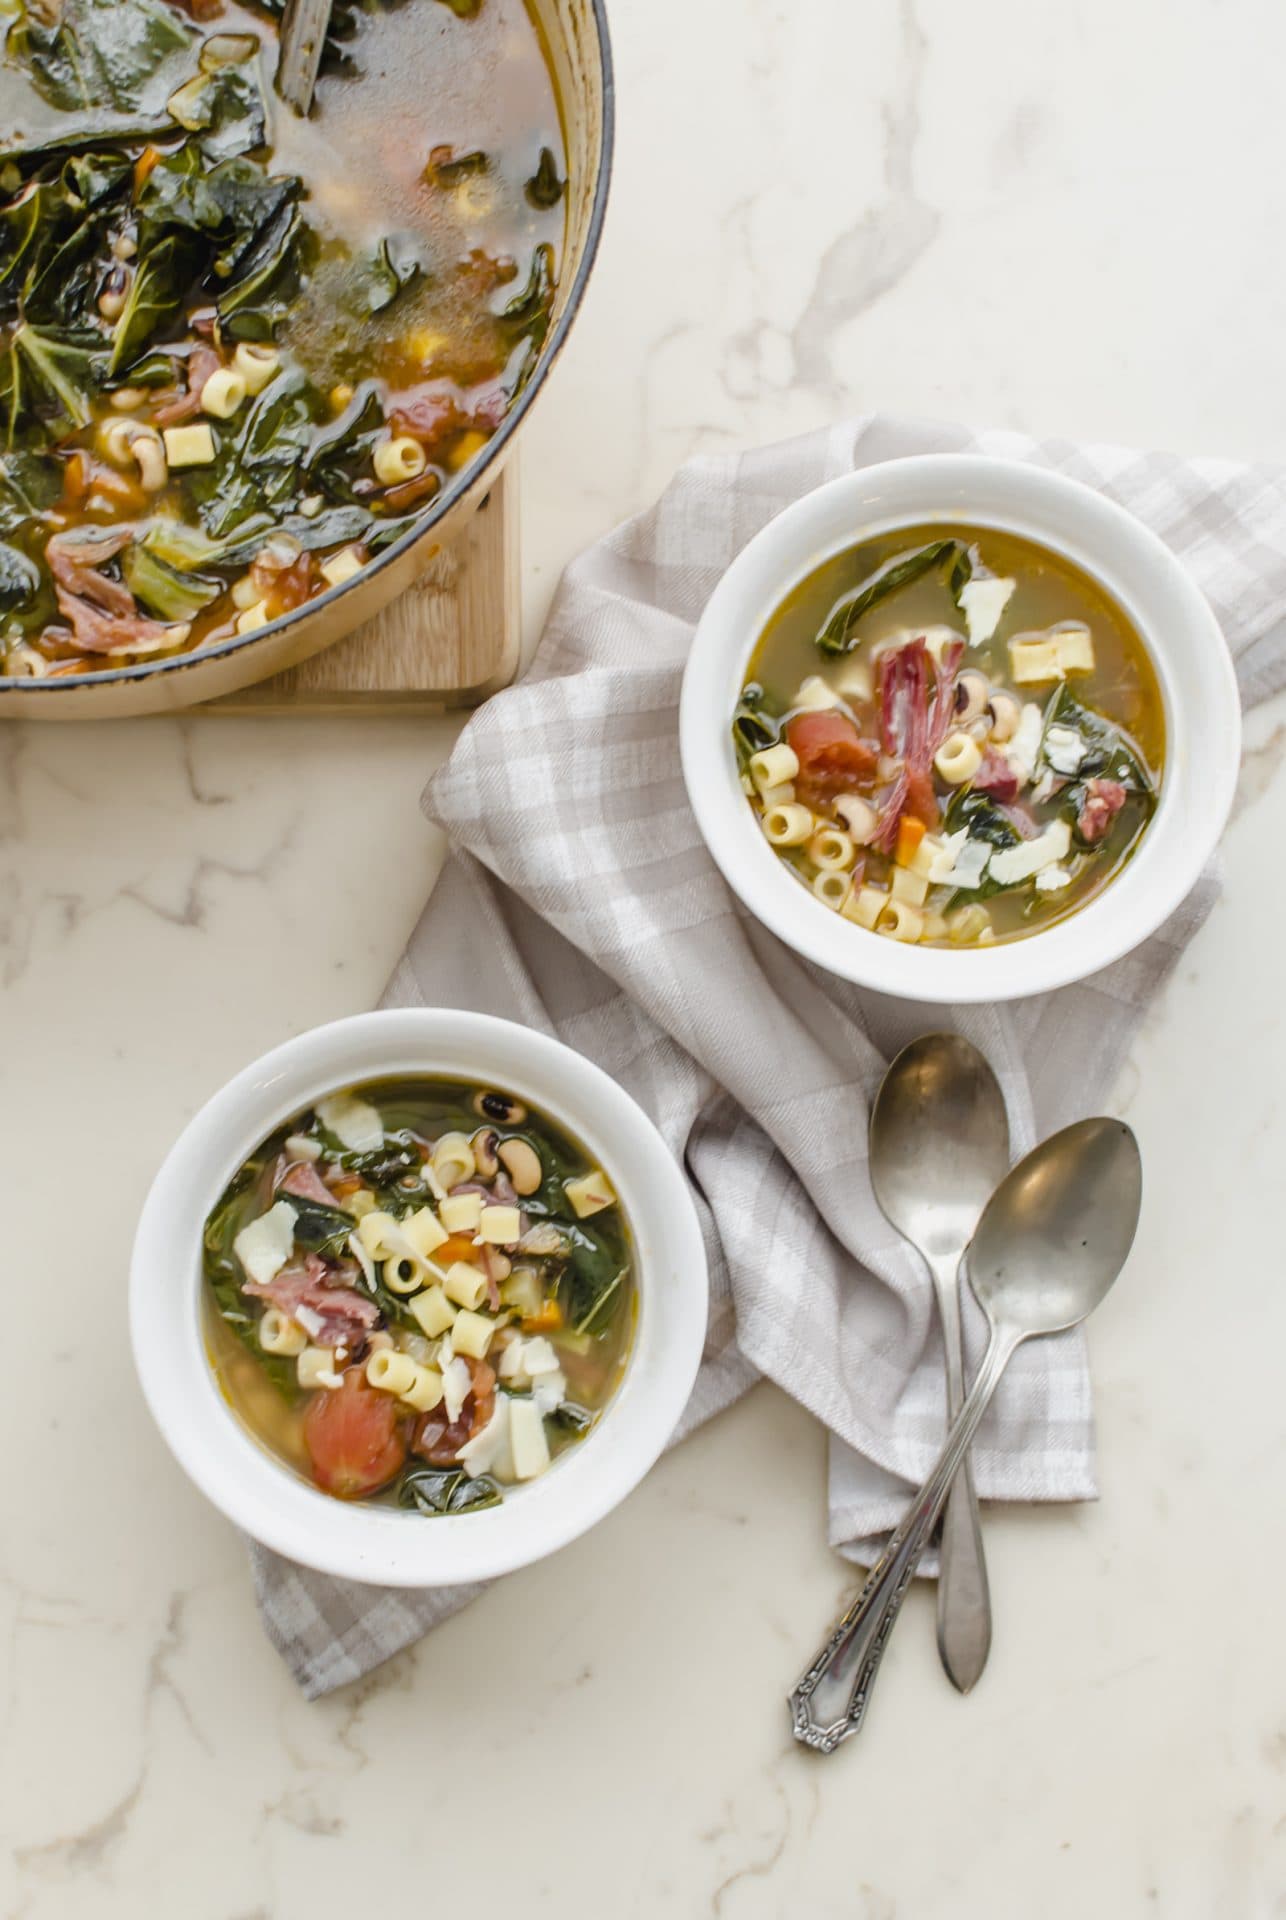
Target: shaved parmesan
[
  {"x": 960, "y": 862},
  {"x": 1023, "y": 750},
  {"x": 1030, "y": 856},
  {"x": 1064, "y": 749},
  {"x": 538, "y": 1357},
  {"x": 298, "y": 1146},
  {"x": 354, "y": 1123},
  {"x": 263, "y": 1247},
  {"x": 527, "y": 1438},
  {"x": 549, "y": 1391},
  {"x": 982, "y": 602},
  {"x": 1052, "y": 879},
  {"x": 488, "y": 1448},
  {"x": 363, "y": 1260},
  {"x": 457, "y": 1383}
]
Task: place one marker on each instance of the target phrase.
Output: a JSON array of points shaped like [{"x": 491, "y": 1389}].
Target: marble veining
[{"x": 1056, "y": 220}]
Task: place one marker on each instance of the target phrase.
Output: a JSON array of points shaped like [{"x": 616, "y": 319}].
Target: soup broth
[
  {"x": 420, "y": 1292},
  {"x": 241, "y": 352},
  {"x": 951, "y": 735}
]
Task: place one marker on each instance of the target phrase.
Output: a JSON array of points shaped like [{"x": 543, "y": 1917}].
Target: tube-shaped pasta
[
  {"x": 452, "y": 1160},
  {"x": 958, "y": 758},
  {"x": 392, "y": 1372},
  {"x": 901, "y": 921},
  {"x": 472, "y": 1333},
  {"x": 831, "y": 850},
  {"x": 461, "y": 1214},
  {"x": 256, "y": 364},
  {"x": 399, "y": 459},
  {"x": 909, "y": 887},
  {"x": 773, "y": 765},
  {"x": 465, "y": 1284},
  {"x": 315, "y": 1367},
  {"x": 864, "y": 905},
  {"x": 426, "y": 1390},
  {"x": 278, "y": 1333},
  {"x": 831, "y": 887},
  {"x": 223, "y": 393},
  {"x": 402, "y": 1274},
  {"x": 788, "y": 826},
  {"x": 779, "y": 796},
  {"x": 433, "y": 1311}
]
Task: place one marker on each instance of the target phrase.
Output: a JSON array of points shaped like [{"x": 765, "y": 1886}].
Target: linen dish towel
[{"x": 579, "y": 898}]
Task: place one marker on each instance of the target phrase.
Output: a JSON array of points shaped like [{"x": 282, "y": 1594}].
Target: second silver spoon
[{"x": 939, "y": 1146}]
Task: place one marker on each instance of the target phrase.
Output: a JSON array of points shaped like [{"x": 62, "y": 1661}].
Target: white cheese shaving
[
  {"x": 1052, "y": 879},
  {"x": 960, "y": 862},
  {"x": 1023, "y": 750},
  {"x": 1064, "y": 749},
  {"x": 363, "y": 1260},
  {"x": 1029, "y": 856},
  {"x": 483, "y": 1452},
  {"x": 511, "y": 1361},
  {"x": 354, "y": 1123},
  {"x": 263, "y": 1247},
  {"x": 457, "y": 1382},
  {"x": 298, "y": 1146},
  {"x": 309, "y": 1319},
  {"x": 982, "y": 602},
  {"x": 538, "y": 1357},
  {"x": 549, "y": 1391},
  {"x": 527, "y": 1438}
]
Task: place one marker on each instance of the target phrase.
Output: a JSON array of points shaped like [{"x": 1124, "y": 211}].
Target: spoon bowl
[
  {"x": 1042, "y": 1259},
  {"x": 939, "y": 1142}
]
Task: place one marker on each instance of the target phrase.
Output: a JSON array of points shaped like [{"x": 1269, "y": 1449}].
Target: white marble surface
[{"x": 1063, "y": 219}]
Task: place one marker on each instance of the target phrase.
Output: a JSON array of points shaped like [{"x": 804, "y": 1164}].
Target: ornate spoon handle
[{"x": 830, "y": 1699}]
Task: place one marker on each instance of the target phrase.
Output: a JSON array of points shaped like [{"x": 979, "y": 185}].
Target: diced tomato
[
  {"x": 354, "y": 1438},
  {"x": 833, "y": 757},
  {"x": 920, "y": 801},
  {"x": 910, "y": 833}
]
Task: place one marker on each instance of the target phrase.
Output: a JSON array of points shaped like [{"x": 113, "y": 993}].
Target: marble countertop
[{"x": 1056, "y": 219}]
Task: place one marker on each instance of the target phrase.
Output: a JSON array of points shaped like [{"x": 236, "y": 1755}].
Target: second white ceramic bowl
[
  {"x": 1198, "y": 686},
  {"x": 374, "y": 1543}
]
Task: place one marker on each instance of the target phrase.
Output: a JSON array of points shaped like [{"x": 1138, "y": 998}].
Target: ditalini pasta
[
  {"x": 951, "y": 736},
  {"x": 419, "y": 1291}
]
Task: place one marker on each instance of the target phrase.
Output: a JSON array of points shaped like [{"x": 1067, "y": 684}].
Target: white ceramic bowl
[
  {"x": 374, "y": 1543},
  {"x": 1202, "y": 717}
]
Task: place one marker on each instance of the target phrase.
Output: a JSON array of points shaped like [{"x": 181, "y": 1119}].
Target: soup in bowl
[
  {"x": 418, "y": 1267},
  {"x": 940, "y": 727}
]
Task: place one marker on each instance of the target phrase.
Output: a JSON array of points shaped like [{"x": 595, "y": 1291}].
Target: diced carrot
[
  {"x": 344, "y": 1184},
  {"x": 144, "y": 164},
  {"x": 910, "y": 833},
  {"x": 548, "y": 1320},
  {"x": 457, "y": 1246}
]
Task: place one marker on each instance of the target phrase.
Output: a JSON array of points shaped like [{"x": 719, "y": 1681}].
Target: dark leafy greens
[
  {"x": 437, "y": 1491},
  {"x": 955, "y": 558}
]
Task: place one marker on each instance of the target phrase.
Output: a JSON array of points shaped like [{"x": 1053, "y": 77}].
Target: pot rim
[{"x": 463, "y": 482}]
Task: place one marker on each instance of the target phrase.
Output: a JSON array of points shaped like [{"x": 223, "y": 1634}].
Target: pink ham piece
[
  {"x": 303, "y": 1180},
  {"x": 1103, "y": 801},
  {"x": 103, "y": 614},
  {"x": 913, "y": 727},
  {"x": 996, "y": 777},
  {"x": 333, "y": 1314}
]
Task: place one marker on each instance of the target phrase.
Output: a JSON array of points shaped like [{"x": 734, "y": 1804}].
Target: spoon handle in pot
[
  {"x": 964, "y": 1597},
  {"x": 830, "y": 1699}
]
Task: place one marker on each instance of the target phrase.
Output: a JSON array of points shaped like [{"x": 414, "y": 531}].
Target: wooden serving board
[{"x": 450, "y": 640}]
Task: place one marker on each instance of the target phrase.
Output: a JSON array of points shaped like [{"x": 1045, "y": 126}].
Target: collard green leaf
[
  {"x": 164, "y": 590},
  {"x": 528, "y": 315},
  {"x": 1110, "y": 753},
  {"x": 93, "y": 54},
  {"x": 20, "y": 579},
  {"x": 839, "y": 630},
  {"x": 752, "y": 728},
  {"x": 47, "y": 380},
  {"x": 438, "y": 1491},
  {"x": 373, "y": 284},
  {"x": 28, "y": 228},
  {"x": 29, "y": 485},
  {"x": 156, "y": 294}
]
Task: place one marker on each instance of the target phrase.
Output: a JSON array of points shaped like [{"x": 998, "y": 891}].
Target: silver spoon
[
  {"x": 1053, "y": 1238},
  {"x": 939, "y": 1147},
  {"x": 303, "y": 36}
]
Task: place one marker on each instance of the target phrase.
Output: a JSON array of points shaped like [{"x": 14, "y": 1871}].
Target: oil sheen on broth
[
  {"x": 952, "y": 735},
  {"x": 420, "y": 1291},
  {"x": 239, "y": 352}
]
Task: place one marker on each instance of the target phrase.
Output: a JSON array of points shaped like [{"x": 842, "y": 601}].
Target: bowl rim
[
  {"x": 365, "y": 1542},
  {"x": 1130, "y": 562},
  {"x": 462, "y": 483}
]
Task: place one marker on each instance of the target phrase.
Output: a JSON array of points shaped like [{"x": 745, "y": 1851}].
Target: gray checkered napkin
[{"x": 580, "y": 899}]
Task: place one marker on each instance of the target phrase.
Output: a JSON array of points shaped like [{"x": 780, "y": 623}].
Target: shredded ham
[
  {"x": 996, "y": 777},
  {"x": 912, "y": 728},
  {"x": 103, "y": 613},
  {"x": 337, "y": 1313},
  {"x": 438, "y": 1440},
  {"x": 1103, "y": 801},
  {"x": 201, "y": 363},
  {"x": 303, "y": 1180}
]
